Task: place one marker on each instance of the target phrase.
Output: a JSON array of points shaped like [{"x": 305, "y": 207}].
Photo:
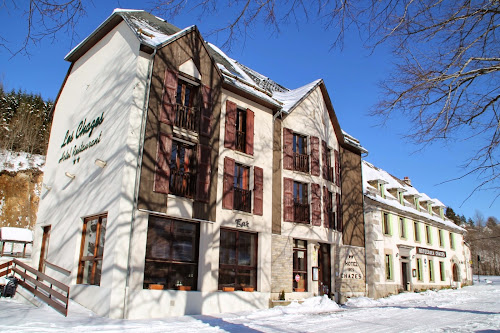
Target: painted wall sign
[
  {"x": 81, "y": 130},
  {"x": 351, "y": 269},
  {"x": 431, "y": 252},
  {"x": 242, "y": 224}
]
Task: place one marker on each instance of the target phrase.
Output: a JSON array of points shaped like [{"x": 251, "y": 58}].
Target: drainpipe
[{"x": 137, "y": 177}]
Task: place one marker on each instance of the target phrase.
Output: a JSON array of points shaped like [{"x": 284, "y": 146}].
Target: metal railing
[
  {"x": 301, "y": 162},
  {"x": 182, "y": 183},
  {"x": 300, "y": 211},
  {"x": 186, "y": 117},
  {"x": 242, "y": 199},
  {"x": 240, "y": 141}
]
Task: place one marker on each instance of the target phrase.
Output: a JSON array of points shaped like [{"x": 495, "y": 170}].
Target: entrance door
[
  {"x": 324, "y": 260},
  {"x": 404, "y": 275},
  {"x": 456, "y": 278},
  {"x": 45, "y": 247}
]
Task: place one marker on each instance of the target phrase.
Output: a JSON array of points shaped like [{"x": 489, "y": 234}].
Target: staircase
[{"x": 47, "y": 289}]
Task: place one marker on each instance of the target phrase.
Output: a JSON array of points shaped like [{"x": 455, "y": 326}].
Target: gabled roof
[{"x": 154, "y": 33}]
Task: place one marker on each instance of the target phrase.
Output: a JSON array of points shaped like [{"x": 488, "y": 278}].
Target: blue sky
[{"x": 294, "y": 57}]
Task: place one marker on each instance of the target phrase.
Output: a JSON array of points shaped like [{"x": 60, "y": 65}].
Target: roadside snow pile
[
  {"x": 365, "y": 302},
  {"x": 318, "y": 304},
  {"x": 17, "y": 161}
]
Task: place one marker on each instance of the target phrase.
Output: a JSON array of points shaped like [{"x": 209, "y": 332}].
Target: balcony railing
[
  {"x": 182, "y": 183},
  {"x": 186, "y": 117},
  {"x": 301, "y": 162},
  {"x": 300, "y": 212},
  {"x": 242, "y": 199},
  {"x": 240, "y": 141}
]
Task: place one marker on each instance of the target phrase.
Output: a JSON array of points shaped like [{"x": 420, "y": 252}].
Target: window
[
  {"x": 416, "y": 229},
  {"x": 182, "y": 176},
  {"x": 242, "y": 195},
  {"x": 330, "y": 221},
  {"x": 417, "y": 203},
  {"x": 381, "y": 188},
  {"x": 441, "y": 238},
  {"x": 452, "y": 241},
  {"x": 431, "y": 271},
  {"x": 420, "y": 276},
  {"x": 92, "y": 249},
  {"x": 428, "y": 239},
  {"x": 237, "y": 259},
  {"x": 402, "y": 228},
  {"x": 328, "y": 166},
  {"x": 300, "y": 157},
  {"x": 241, "y": 125},
  {"x": 299, "y": 265},
  {"x": 401, "y": 198},
  {"x": 388, "y": 267},
  {"x": 185, "y": 115},
  {"x": 239, "y": 128},
  {"x": 300, "y": 202},
  {"x": 442, "y": 271},
  {"x": 171, "y": 254},
  {"x": 386, "y": 226}
]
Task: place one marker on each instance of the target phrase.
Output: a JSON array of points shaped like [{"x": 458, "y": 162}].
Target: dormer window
[{"x": 417, "y": 203}]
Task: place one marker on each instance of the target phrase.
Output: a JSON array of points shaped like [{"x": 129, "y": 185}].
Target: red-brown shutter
[
  {"x": 206, "y": 111},
  {"x": 337, "y": 168},
  {"x": 167, "y": 114},
  {"x": 230, "y": 132},
  {"x": 339, "y": 212},
  {"x": 288, "y": 200},
  {"x": 204, "y": 171},
  {"x": 162, "y": 170},
  {"x": 326, "y": 213},
  {"x": 228, "y": 186},
  {"x": 249, "y": 133},
  {"x": 316, "y": 204},
  {"x": 287, "y": 149},
  {"x": 315, "y": 156},
  {"x": 258, "y": 191},
  {"x": 324, "y": 159}
]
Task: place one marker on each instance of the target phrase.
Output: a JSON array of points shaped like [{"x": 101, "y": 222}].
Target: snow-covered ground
[
  {"x": 17, "y": 161},
  {"x": 470, "y": 309}
]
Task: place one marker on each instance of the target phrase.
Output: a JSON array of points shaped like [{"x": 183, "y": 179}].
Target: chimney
[{"x": 407, "y": 181}]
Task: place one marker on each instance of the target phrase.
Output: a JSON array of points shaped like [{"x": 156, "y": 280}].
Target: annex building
[
  {"x": 179, "y": 181},
  {"x": 410, "y": 244}
]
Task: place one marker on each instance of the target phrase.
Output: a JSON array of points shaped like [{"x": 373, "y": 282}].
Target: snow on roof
[
  {"x": 236, "y": 70},
  {"x": 349, "y": 139},
  {"x": 18, "y": 161},
  {"x": 370, "y": 172},
  {"x": 292, "y": 97},
  {"x": 16, "y": 234}
]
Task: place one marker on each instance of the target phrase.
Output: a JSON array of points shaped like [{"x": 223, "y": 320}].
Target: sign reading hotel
[
  {"x": 83, "y": 141},
  {"x": 351, "y": 269},
  {"x": 431, "y": 252}
]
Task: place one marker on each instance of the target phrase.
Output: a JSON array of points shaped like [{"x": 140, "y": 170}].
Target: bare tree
[{"x": 447, "y": 53}]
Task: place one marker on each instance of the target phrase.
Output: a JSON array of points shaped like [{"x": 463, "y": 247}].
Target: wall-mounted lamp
[
  {"x": 70, "y": 175},
  {"x": 47, "y": 187},
  {"x": 397, "y": 255},
  {"x": 100, "y": 163},
  {"x": 413, "y": 256}
]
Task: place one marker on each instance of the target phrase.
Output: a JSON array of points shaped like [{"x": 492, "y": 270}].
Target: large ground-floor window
[
  {"x": 92, "y": 249},
  {"x": 171, "y": 254},
  {"x": 237, "y": 259},
  {"x": 299, "y": 265}
]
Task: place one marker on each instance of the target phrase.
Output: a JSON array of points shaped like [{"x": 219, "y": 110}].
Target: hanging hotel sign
[
  {"x": 351, "y": 269},
  {"x": 431, "y": 252},
  {"x": 82, "y": 133}
]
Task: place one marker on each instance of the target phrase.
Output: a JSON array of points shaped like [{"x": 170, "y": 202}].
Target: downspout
[{"x": 137, "y": 178}]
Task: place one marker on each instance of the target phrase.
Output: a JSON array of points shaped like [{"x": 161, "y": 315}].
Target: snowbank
[
  {"x": 16, "y": 234},
  {"x": 18, "y": 161}
]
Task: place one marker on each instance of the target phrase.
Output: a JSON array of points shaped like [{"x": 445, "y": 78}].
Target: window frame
[
  {"x": 301, "y": 201},
  {"x": 452, "y": 241},
  {"x": 96, "y": 259},
  {"x": 186, "y": 114},
  {"x": 241, "y": 129},
  {"x": 431, "y": 270},
  {"x": 241, "y": 188},
  {"x": 170, "y": 262},
  {"x": 442, "y": 271},
  {"x": 175, "y": 164},
  {"x": 428, "y": 236},
  {"x": 420, "y": 275},
  {"x": 386, "y": 224},
  {"x": 389, "y": 268},
  {"x": 237, "y": 267},
  {"x": 300, "y": 158},
  {"x": 295, "y": 264},
  {"x": 441, "y": 237},
  {"x": 402, "y": 228},
  {"x": 416, "y": 231}
]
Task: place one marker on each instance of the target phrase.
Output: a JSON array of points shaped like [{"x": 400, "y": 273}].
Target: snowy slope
[{"x": 17, "y": 161}]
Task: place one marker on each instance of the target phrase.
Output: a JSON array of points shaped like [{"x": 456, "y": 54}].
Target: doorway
[
  {"x": 44, "y": 249},
  {"x": 456, "y": 277},
  {"x": 404, "y": 276},
  {"x": 324, "y": 261}
]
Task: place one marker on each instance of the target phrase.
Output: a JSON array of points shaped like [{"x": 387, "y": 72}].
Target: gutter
[{"x": 137, "y": 178}]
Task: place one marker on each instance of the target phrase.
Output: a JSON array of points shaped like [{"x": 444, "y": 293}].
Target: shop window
[
  {"x": 416, "y": 230},
  {"x": 299, "y": 265},
  {"x": 300, "y": 202},
  {"x": 428, "y": 238},
  {"x": 386, "y": 225},
  {"x": 92, "y": 250},
  {"x": 300, "y": 156},
  {"x": 402, "y": 228},
  {"x": 452, "y": 241},
  {"x": 237, "y": 259},
  {"x": 442, "y": 270},
  {"x": 388, "y": 267},
  {"x": 420, "y": 276},
  {"x": 182, "y": 171},
  {"x": 171, "y": 254},
  {"x": 431, "y": 271},
  {"x": 242, "y": 195}
]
